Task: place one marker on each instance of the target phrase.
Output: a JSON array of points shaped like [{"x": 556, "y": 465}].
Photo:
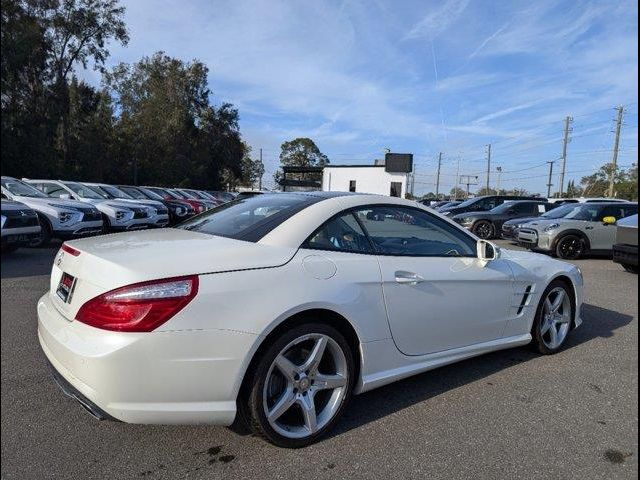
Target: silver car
[
  {"x": 19, "y": 225},
  {"x": 59, "y": 217},
  {"x": 588, "y": 228}
]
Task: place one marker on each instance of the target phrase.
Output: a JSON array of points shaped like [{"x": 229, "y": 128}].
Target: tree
[
  {"x": 301, "y": 152},
  {"x": 457, "y": 192},
  {"x": 168, "y": 132},
  {"x": 625, "y": 182}
]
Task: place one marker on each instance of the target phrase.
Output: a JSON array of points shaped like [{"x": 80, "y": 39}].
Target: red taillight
[
  {"x": 70, "y": 250},
  {"x": 141, "y": 307}
]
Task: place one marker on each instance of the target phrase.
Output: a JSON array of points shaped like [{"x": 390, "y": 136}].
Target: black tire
[
  {"x": 45, "y": 235},
  {"x": 106, "y": 224},
  {"x": 630, "y": 268},
  {"x": 538, "y": 343},
  {"x": 570, "y": 247},
  {"x": 252, "y": 407},
  {"x": 484, "y": 229}
]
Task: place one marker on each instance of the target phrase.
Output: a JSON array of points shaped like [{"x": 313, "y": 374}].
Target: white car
[
  {"x": 19, "y": 226},
  {"x": 59, "y": 218},
  {"x": 158, "y": 213},
  {"x": 117, "y": 215},
  {"x": 283, "y": 306}
]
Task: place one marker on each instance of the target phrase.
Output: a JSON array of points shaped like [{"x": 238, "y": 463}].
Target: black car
[
  {"x": 510, "y": 227},
  {"x": 178, "y": 210},
  {"x": 484, "y": 204},
  {"x": 488, "y": 225}
]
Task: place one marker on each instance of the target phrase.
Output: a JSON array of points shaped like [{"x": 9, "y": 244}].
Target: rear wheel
[
  {"x": 570, "y": 247},
  {"x": 484, "y": 229},
  {"x": 553, "y": 318},
  {"x": 301, "y": 385}
]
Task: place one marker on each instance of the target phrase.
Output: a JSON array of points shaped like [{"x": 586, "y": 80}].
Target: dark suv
[
  {"x": 484, "y": 204},
  {"x": 488, "y": 225}
]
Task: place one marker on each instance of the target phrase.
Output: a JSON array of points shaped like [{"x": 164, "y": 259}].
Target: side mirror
[
  {"x": 609, "y": 221},
  {"x": 487, "y": 251},
  {"x": 65, "y": 196}
]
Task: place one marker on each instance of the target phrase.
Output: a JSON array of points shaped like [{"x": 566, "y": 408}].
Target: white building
[{"x": 364, "y": 179}]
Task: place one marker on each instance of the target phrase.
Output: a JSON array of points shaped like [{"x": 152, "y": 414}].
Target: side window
[
  {"x": 352, "y": 185},
  {"x": 612, "y": 211},
  {"x": 629, "y": 210},
  {"x": 412, "y": 232},
  {"x": 342, "y": 234},
  {"x": 524, "y": 208},
  {"x": 396, "y": 189}
]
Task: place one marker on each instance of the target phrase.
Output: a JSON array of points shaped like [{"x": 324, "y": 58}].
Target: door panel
[{"x": 454, "y": 303}]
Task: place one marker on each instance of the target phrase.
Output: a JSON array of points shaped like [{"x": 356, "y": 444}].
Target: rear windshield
[{"x": 251, "y": 218}]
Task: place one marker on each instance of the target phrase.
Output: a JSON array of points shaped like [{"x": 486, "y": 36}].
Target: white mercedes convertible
[{"x": 279, "y": 307}]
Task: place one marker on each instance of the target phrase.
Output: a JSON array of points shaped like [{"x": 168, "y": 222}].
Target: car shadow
[
  {"x": 371, "y": 406},
  {"x": 28, "y": 262}
]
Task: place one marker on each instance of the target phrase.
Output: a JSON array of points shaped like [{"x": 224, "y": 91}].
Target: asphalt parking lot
[{"x": 510, "y": 414}]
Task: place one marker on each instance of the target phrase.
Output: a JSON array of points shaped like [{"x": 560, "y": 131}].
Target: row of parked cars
[
  {"x": 35, "y": 211},
  {"x": 566, "y": 228}
]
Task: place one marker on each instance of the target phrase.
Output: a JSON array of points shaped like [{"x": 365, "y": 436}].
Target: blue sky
[{"x": 413, "y": 76}]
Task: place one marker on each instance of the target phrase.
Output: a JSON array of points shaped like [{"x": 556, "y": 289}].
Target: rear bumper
[
  {"x": 174, "y": 377},
  {"x": 625, "y": 254}
]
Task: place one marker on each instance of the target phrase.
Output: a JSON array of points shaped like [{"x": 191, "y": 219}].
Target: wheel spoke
[
  {"x": 309, "y": 412},
  {"x": 563, "y": 319},
  {"x": 547, "y": 305},
  {"x": 288, "y": 369},
  {"x": 287, "y": 399},
  {"x": 557, "y": 303},
  {"x": 546, "y": 326},
  {"x": 553, "y": 334},
  {"x": 315, "y": 357},
  {"x": 329, "y": 382}
]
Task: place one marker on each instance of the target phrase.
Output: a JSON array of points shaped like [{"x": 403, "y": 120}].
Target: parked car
[
  {"x": 116, "y": 214},
  {"x": 158, "y": 212},
  {"x": 587, "y": 200},
  {"x": 588, "y": 228},
  {"x": 248, "y": 194},
  {"x": 168, "y": 194},
  {"x": 19, "y": 225},
  {"x": 60, "y": 217},
  {"x": 454, "y": 203},
  {"x": 488, "y": 225},
  {"x": 286, "y": 315},
  {"x": 625, "y": 250},
  {"x": 484, "y": 204},
  {"x": 178, "y": 209},
  {"x": 207, "y": 199},
  {"x": 222, "y": 196},
  {"x": 510, "y": 227},
  {"x": 435, "y": 204}
]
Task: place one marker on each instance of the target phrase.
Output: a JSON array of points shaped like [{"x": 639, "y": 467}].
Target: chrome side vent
[{"x": 525, "y": 299}]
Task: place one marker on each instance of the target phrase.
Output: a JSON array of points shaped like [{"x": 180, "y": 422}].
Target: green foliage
[
  {"x": 625, "y": 182},
  {"x": 301, "y": 152},
  {"x": 152, "y": 122}
]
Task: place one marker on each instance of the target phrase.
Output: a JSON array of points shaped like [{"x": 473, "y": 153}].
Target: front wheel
[
  {"x": 570, "y": 247},
  {"x": 553, "y": 318},
  {"x": 301, "y": 385},
  {"x": 45, "y": 235},
  {"x": 485, "y": 230}
]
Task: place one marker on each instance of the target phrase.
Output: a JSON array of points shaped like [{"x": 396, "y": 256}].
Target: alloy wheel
[
  {"x": 484, "y": 230},
  {"x": 556, "y": 318},
  {"x": 305, "y": 386},
  {"x": 571, "y": 247}
]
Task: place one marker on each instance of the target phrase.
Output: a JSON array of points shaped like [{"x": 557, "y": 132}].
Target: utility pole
[
  {"x": 438, "y": 176},
  {"x": 468, "y": 181},
  {"x": 616, "y": 148},
  {"x": 499, "y": 170},
  {"x": 261, "y": 172},
  {"x": 455, "y": 190},
  {"x": 488, "y": 166},
  {"x": 567, "y": 138},
  {"x": 549, "y": 184}
]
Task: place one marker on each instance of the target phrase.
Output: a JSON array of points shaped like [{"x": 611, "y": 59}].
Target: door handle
[
  {"x": 408, "y": 278},
  {"x": 588, "y": 228}
]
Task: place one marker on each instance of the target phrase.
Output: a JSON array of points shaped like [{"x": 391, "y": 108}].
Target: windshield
[
  {"x": 189, "y": 195},
  {"x": 249, "y": 218},
  {"x": 83, "y": 191},
  {"x": 133, "y": 193},
  {"x": 152, "y": 195},
  {"x": 587, "y": 212},
  {"x": 16, "y": 187},
  {"x": 504, "y": 208},
  {"x": 115, "y": 192},
  {"x": 469, "y": 202},
  {"x": 560, "y": 212}
]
